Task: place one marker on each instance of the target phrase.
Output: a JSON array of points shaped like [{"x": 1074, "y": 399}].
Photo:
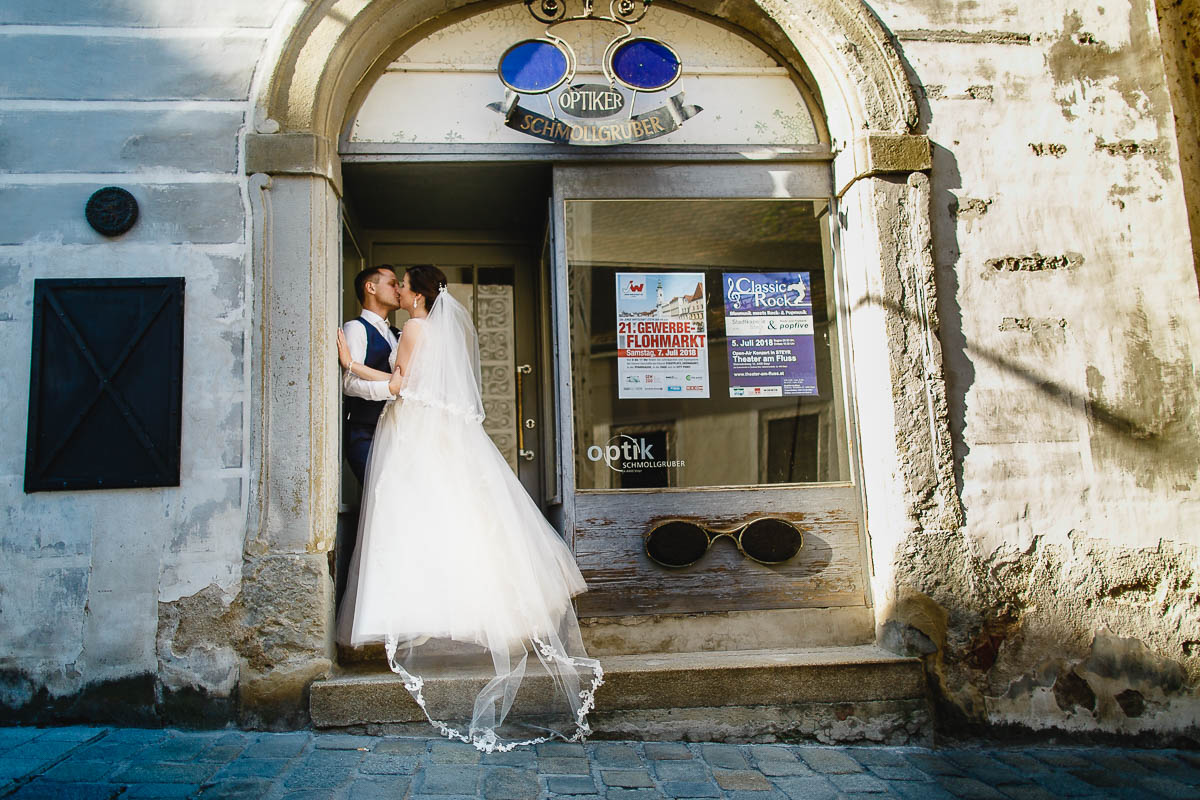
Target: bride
[{"x": 456, "y": 571}]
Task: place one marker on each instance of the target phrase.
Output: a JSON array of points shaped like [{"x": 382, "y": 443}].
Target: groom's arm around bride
[{"x": 371, "y": 341}]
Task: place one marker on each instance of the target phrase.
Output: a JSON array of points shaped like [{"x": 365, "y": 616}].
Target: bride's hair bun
[{"x": 427, "y": 281}]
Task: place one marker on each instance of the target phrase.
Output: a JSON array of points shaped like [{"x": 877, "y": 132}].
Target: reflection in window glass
[{"x": 703, "y": 344}]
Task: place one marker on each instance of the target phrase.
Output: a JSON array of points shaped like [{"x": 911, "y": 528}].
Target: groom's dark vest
[{"x": 379, "y": 354}]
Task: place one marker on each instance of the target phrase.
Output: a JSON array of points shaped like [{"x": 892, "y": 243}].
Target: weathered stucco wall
[
  {"x": 121, "y": 604},
  {"x": 1069, "y": 324}
]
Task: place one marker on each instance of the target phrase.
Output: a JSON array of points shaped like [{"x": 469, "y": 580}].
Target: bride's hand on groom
[
  {"x": 397, "y": 382},
  {"x": 343, "y": 350}
]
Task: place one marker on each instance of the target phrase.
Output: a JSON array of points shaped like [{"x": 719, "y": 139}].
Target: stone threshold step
[
  {"x": 757, "y": 629},
  {"x": 654, "y": 681}
]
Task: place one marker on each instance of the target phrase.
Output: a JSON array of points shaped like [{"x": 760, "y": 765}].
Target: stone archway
[{"x": 334, "y": 47}]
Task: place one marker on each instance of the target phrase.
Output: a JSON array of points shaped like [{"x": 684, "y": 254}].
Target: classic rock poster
[
  {"x": 769, "y": 328},
  {"x": 662, "y": 335}
]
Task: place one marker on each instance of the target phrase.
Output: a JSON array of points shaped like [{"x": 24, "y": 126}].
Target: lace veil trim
[{"x": 486, "y": 740}]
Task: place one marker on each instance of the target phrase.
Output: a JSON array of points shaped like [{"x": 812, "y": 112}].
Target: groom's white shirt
[{"x": 356, "y": 340}]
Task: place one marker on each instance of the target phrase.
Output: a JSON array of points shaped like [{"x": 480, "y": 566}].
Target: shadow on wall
[
  {"x": 1114, "y": 421},
  {"x": 956, "y": 366}
]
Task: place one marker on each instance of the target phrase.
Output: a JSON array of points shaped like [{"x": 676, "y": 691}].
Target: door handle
[{"x": 522, "y": 423}]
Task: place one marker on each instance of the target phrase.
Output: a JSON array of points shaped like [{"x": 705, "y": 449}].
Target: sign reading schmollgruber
[
  {"x": 620, "y": 130},
  {"x": 769, "y": 329},
  {"x": 662, "y": 335}
]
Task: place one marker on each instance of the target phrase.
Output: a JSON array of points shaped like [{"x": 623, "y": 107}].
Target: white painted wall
[{"x": 747, "y": 97}]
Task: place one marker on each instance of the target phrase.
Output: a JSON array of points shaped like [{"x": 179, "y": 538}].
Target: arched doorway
[{"x": 337, "y": 55}]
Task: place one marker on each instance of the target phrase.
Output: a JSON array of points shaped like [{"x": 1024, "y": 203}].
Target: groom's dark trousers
[
  {"x": 358, "y": 432},
  {"x": 358, "y": 429}
]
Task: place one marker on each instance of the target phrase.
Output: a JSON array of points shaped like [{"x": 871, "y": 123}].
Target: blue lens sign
[
  {"x": 647, "y": 65},
  {"x": 534, "y": 66}
]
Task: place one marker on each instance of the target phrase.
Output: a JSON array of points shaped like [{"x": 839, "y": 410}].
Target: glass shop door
[
  {"x": 500, "y": 285},
  {"x": 700, "y": 361}
]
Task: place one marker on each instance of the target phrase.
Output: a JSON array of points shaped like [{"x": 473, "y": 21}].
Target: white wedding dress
[{"x": 456, "y": 571}]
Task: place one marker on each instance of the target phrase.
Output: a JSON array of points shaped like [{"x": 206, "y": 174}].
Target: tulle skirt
[{"x": 462, "y": 579}]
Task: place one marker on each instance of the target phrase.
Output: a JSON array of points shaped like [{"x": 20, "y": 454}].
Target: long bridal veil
[{"x": 456, "y": 570}]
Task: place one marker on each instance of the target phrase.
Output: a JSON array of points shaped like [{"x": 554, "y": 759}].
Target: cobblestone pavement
[{"x": 85, "y": 762}]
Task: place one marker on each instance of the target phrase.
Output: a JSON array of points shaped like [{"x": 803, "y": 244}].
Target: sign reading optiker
[
  {"x": 596, "y": 113},
  {"x": 591, "y": 100}
]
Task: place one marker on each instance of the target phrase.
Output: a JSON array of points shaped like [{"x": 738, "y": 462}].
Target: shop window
[
  {"x": 715, "y": 320},
  {"x": 790, "y": 448},
  {"x": 105, "y": 384}
]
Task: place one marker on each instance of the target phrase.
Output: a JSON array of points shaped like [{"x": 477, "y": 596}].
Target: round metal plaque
[{"x": 111, "y": 211}]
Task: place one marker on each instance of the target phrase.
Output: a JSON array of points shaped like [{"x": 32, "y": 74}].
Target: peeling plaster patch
[
  {"x": 1117, "y": 192},
  {"x": 196, "y": 656},
  {"x": 1034, "y": 263},
  {"x": 1131, "y": 702},
  {"x": 207, "y": 540},
  {"x": 1079, "y": 65},
  {"x": 1045, "y": 637},
  {"x": 968, "y": 209},
  {"x": 1048, "y": 149},
  {"x": 936, "y": 91},
  {"x": 963, "y": 37},
  {"x": 1030, "y": 324},
  {"x": 1127, "y": 148},
  {"x": 1143, "y": 420},
  {"x": 1114, "y": 657},
  {"x": 1071, "y": 692}
]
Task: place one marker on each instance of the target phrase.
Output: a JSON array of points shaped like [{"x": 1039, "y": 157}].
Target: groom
[{"x": 372, "y": 341}]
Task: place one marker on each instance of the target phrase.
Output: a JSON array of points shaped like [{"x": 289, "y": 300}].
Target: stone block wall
[{"x": 121, "y": 605}]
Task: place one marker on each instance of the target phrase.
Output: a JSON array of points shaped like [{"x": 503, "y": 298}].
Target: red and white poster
[{"x": 662, "y": 335}]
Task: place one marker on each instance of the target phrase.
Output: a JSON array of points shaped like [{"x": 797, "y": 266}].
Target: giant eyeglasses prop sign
[{"x": 602, "y": 115}]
